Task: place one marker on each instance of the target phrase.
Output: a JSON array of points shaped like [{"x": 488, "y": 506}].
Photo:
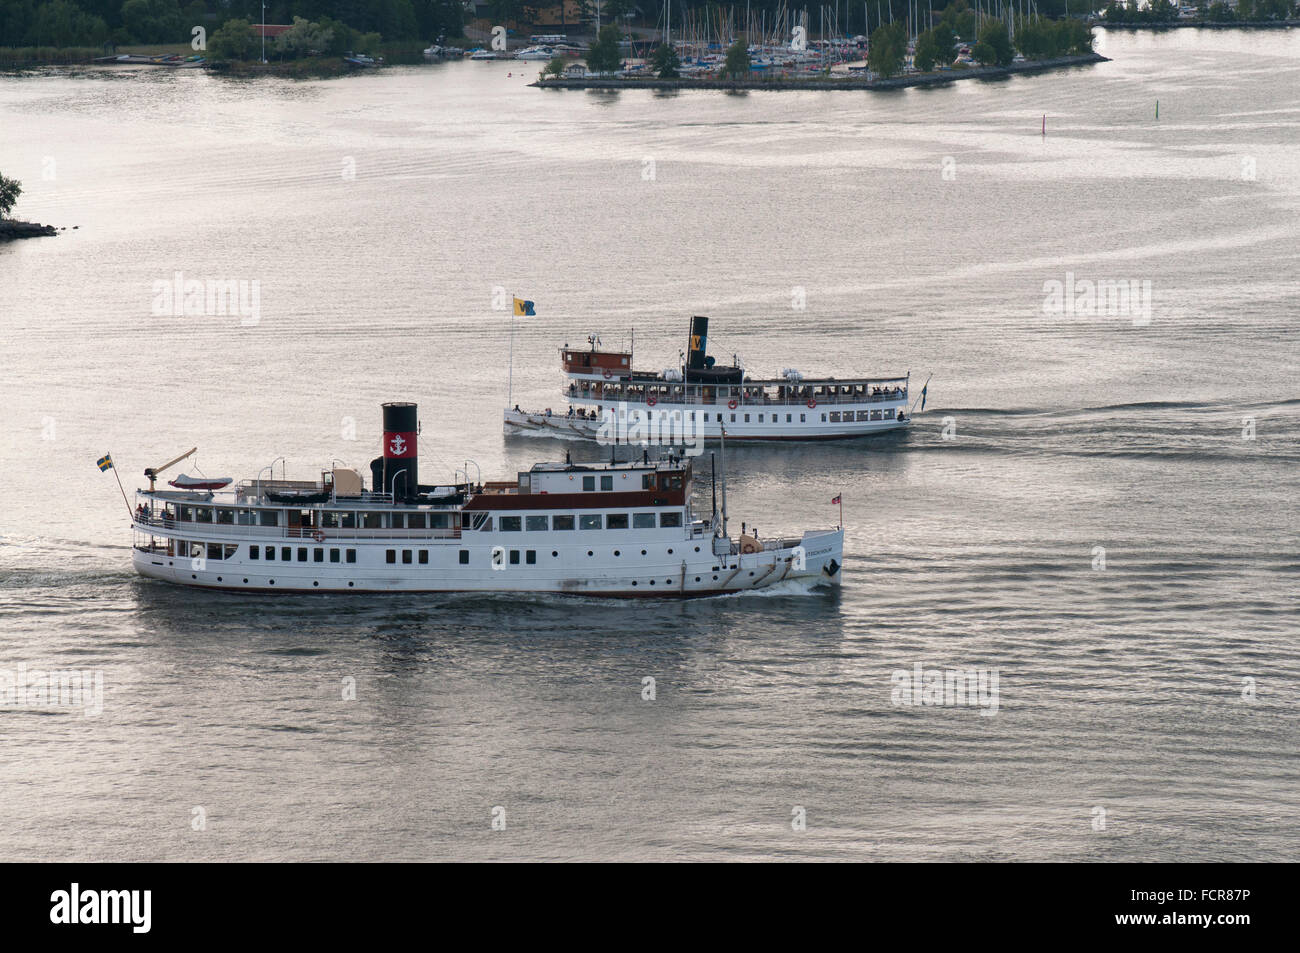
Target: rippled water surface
[{"x": 379, "y": 212}]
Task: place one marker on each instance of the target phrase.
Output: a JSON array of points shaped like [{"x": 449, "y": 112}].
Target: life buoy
[
  {"x": 732, "y": 404},
  {"x": 812, "y": 402},
  {"x": 608, "y": 375},
  {"x": 318, "y": 536},
  {"x": 651, "y": 400}
]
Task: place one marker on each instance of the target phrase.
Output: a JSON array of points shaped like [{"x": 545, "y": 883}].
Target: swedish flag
[
  {"x": 524, "y": 309},
  {"x": 105, "y": 462}
]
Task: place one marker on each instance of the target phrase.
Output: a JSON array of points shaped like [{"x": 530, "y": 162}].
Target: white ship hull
[
  {"x": 602, "y": 563},
  {"x": 769, "y": 423}
]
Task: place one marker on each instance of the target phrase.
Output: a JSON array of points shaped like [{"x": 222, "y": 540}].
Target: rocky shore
[
  {"x": 824, "y": 82},
  {"x": 10, "y": 230}
]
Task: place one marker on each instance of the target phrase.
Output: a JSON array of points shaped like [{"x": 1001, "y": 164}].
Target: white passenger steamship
[
  {"x": 613, "y": 529},
  {"x": 602, "y": 390}
]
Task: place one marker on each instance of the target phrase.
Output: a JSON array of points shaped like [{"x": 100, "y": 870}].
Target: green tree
[
  {"x": 927, "y": 52},
  {"x": 154, "y": 21},
  {"x": 233, "y": 40},
  {"x": 994, "y": 46},
  {"x": 887, "y": 49},
  {"x": 945, "y": 42},
  {"x": 665, "y": 61},
  {"x": 302, "y": 38},
  {"x": 737, "y": 62},
  {"x": 10, "y": 189},
  {"x": 555, "y": 67},
  {"x": 58, "y": 23},
  {"x": 603, "y": 56}
]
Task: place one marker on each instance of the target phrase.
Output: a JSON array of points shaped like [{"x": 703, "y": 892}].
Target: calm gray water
[{"x": 379, "y": 213}]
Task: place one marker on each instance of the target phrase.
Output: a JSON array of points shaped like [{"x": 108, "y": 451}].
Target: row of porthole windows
[
  {"x": 585, "y": 521},
  {"x": 835, "y": 417},
  {"x": 315, "y": 583},
  {"x": 776, "y": 418},
  {"x": 222, "y": 551},
  {"x": 318, "y": 554}
]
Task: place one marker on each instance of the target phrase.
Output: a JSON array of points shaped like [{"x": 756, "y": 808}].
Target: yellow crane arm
[{"x": 153, "y": 472}]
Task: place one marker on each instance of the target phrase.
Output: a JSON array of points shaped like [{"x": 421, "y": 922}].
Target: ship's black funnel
[
  {"x": 698, "y": 344},
  {"x": 401, "y": 459}
]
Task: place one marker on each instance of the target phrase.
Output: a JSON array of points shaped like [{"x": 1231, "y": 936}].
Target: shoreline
[
  {"x": 14, "y": 229},
  {"x": 823, "y": 82},
  {"x": 1201, "y": 25}
]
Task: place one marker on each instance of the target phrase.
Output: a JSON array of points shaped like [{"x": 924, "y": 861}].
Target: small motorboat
[{"x": 184, "y": 482}]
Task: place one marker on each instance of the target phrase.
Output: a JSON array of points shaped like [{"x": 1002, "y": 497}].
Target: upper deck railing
[{"x": 743, "y": 396}]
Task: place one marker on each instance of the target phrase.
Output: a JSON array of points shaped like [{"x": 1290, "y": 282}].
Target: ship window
[
  {"x": 187, "y": 514},
  {"x": 670, "y": 519},
  {"x": 733, "y": 418},
  {"x": 399, "y": 520},
  {"x": 889, "y": 413},
  {"x": 746, "y": 418},
  {"x": 835, "y": 416},
  {"x": 530, "y": 557},
  {"x": 415, "y": 521},
  {"x": 302, "y": 554},
  {"x": 214, "y": 550},
  {"x": 823, "y": 418},
  {"x": 372, "y": 520},
  {"x": 788, "y": 418},
  {"x": 643, "y": 520},
  {"x": 424, "y": 557},
  {"x": 286, "y": 553},
  {"x": 231, "y": 551},
  {"x": 406, "y": 557},
  {"x": 318, "y": 555},
  {"x": 348, "y": 520},
  {"x": 464, "y": 557},
  {"x": 514, "y": 557},
  {"x": 509, "y": 524},
  {"x": 390, "y": 556},
  {"x": 334, "y": 555},
  {"x": 536, "y": 523},
  {"x": 202, "y": 514},
  {"x": 268, "y": 517},
  {"x": 607, "y": 483},
  {"x": 719, "y": 418},
  {"x": 588, "y": 484},
  {"x": 245, "y": 517},
  {"x": 647, "y": 481},
  {"x": 439, "y": 520},
  {"x": 253, "y": 551},
  {"x": 589, "y": 521},
  {"x": 616, "y": 521},
  {"x": 352, "y": 555},
  {"x": 226, "y": 516},
  {"x": 270, "y": 552},
  {"x": 562, "y": 522},
  {"x": 760, "y": 418}
]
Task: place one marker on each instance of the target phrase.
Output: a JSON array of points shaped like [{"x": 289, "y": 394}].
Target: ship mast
[{"x": 723, "y": 454}]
